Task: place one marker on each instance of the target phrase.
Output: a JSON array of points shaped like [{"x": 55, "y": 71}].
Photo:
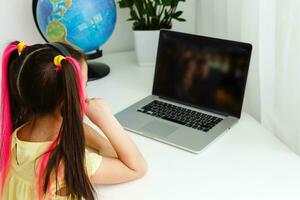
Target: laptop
[{"x": 197, "y": 94}]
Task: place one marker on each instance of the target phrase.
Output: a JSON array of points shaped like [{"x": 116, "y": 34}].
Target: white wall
[{"x": 208, "y": 17}]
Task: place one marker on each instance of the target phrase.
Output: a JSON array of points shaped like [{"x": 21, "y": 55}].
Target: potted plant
[{"x": 149, "y": 16}]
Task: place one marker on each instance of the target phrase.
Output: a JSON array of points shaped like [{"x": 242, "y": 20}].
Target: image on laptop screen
[{"x": 205, "y": 72}]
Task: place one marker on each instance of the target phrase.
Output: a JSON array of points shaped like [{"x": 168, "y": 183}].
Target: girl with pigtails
[{"x": 47, "y": 151}]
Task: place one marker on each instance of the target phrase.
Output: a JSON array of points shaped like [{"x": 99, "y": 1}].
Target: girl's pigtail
[
  {"x": 73, "y": 140},
  {"x": 77, "y": 69},
  {"x": 70, "y": 145},
  {"x": 5, "y": 117}
]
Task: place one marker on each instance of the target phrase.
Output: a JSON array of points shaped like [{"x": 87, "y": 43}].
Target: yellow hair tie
[
  {"x": 58, "y": 59},
  {"x": 21, "y": 46}
]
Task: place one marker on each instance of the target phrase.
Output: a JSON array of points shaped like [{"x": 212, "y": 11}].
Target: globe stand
[{"x": 96, "y": 70}]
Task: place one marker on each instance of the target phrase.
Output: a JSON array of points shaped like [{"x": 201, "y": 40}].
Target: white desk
[{"x": 247, "y": 162}]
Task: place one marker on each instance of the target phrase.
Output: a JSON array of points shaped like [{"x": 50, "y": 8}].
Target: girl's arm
[
  {"x": 129, "y": 164},
  {"x": 96, "y": 141}
]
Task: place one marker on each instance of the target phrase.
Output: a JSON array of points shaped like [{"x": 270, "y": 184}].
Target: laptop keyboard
[{"x": 180, "y": 115}]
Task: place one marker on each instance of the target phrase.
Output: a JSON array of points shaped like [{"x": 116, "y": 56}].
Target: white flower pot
[{"x": 146, "y": 43}]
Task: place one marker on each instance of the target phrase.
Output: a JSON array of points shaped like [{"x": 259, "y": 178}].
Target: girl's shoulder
[
  {"x": 26, "y": 150},
  {"x": 20, "y": 141}
]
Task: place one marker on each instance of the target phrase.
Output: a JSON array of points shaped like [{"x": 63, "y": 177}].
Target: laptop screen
[{"x": 204, "y": 72}]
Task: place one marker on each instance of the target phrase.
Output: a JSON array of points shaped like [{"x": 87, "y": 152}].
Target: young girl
[{"x": 42, "y": 133}]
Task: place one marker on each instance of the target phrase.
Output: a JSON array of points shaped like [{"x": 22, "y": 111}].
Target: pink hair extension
[
  {"x": 80, "y": 81},
  {"x": 5, "y": 118},
  {"x": 41, "y": 169},
  {"x": 45, "y": 158}
]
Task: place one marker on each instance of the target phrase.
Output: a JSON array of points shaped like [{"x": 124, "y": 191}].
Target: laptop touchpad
[{"x": 158, "y": 128}]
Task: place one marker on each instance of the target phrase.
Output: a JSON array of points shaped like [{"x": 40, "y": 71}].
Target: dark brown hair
[{"x": 37, "y": 89}]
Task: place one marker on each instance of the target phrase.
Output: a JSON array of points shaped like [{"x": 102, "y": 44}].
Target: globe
[{"x": 86, "y": 24}]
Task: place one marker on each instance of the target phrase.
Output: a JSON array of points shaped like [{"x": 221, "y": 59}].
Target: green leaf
[
  {"x": 150, "y": 9},
  {"x": 176, "y": 14},
  {"x": 158, "y": 2},
  {"x": 166, "y": 2},
  {"x": 180, "y": 19},
  {"x": 122, "y": 4},
  {"x": 130, "y": 19},
  {"x": 152, "y": 14},
  {"x": 125, "y": 3},
  {"x": 133, "y": 14},
  {"x": 174, "y": 3},
  {"x": 139, "y": 4},
  {"x": 166, "y": 13}
]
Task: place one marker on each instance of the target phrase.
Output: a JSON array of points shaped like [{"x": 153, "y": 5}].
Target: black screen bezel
[{"x": 175, "y": 34}]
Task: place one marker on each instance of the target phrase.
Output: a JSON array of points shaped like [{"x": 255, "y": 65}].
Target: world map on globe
[{"x": 86, "y": 24}]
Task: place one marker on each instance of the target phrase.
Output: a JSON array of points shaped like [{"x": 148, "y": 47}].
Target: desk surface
[{"x": 247, "y": 162}]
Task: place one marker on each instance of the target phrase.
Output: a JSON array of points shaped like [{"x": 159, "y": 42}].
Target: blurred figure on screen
[
  {"x": 206, "y": 82},
  {"x": 186, "y": 79}
]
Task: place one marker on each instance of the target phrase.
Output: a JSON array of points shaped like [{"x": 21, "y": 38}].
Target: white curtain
[
  {"x": 236, "y": 20},
  {"x": 273, "y": 27}
]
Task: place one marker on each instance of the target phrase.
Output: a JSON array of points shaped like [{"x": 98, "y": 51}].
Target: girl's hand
[{"x": 96, "y": 109}]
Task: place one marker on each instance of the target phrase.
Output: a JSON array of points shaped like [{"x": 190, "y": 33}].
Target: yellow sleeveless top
[{"x": 21, "y": 183}]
